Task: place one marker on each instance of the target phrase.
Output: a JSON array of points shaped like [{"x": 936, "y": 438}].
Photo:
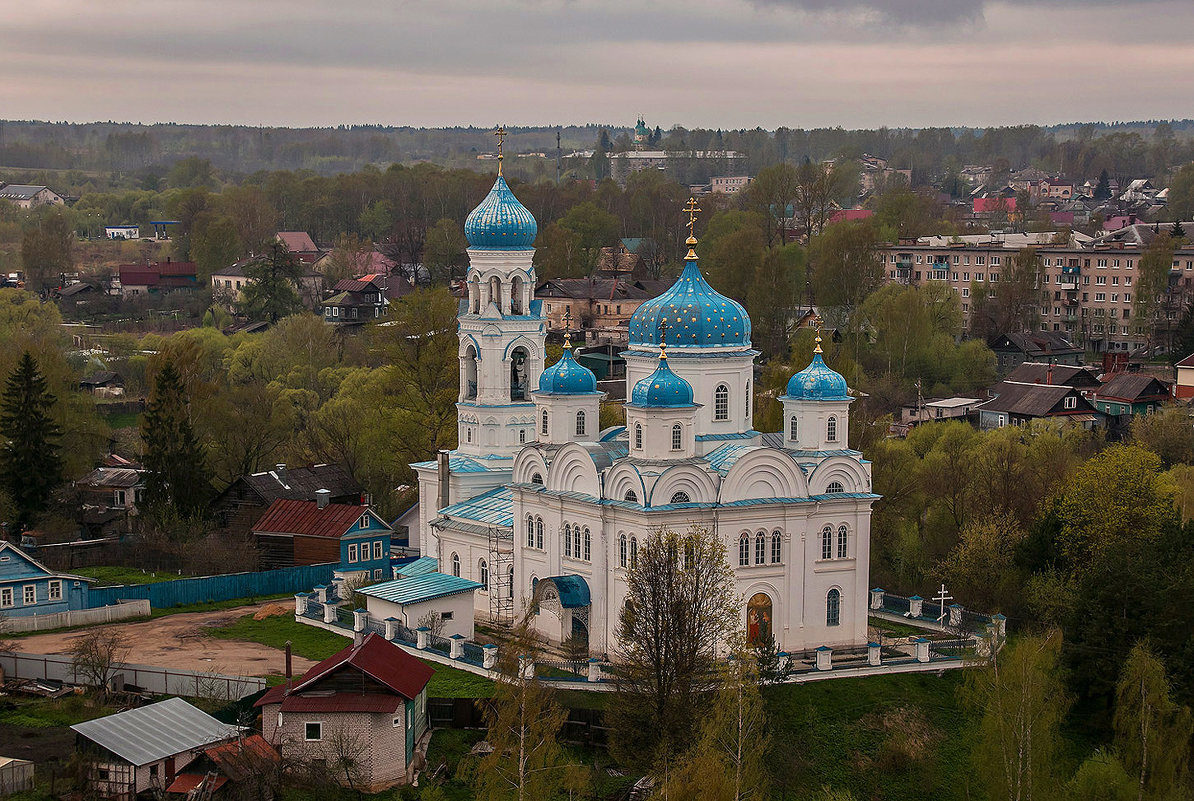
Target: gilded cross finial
[
  {"x": 818, "y": 323},
  {"x": 663, "y": 327},
  {"x": 568, "y": 329},
  {"x": 692, "y": 210},
  {"x": 500, "y": 133}
]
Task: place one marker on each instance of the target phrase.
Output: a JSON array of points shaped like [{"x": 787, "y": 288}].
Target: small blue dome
[
  {"x": 818, "y": 382},
  {"x": 662, "y": 389},
  {"x": 567, "y": 377},
  {"x": 696, "y": 314},
  {"x": 500, "y": 222}
]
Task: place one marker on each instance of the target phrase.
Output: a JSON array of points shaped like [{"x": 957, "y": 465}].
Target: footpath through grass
[{"x": 317, "y": 644}]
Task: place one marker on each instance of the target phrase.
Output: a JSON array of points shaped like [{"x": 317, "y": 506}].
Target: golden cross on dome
[
  {"x": 663, "y": 327},
  {"x": 567, "y": 328},
  {"x": 500, "y": 133},
  {"x": 818, "y": 323},
  {"x": 692, "y": 210}
]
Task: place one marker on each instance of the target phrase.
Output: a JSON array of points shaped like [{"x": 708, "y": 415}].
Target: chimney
[
  {"x": 1049, "y": 373},
  {"x": 445, "y": 473},
  {"x": 280, "y": 472},
  {"x": 288, "y": 664},
  {"x": 322, "y": 496}
]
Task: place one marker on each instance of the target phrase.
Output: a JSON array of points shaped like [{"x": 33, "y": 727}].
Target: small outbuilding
[{"x": 415, "y": 599}]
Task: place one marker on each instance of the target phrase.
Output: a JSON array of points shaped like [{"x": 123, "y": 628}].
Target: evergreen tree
[
  {"x": 1102, "y": 189},
  {"x": 272, "y": 291},
  {"x": 30, "y": 467},
  {"x": 1177, "y": 232},
  {"x": 176, "y": 472}
]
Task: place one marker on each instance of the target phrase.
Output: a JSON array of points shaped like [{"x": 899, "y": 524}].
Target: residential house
[
  {"x": 1017, "y": 404},
  {"x": 1129, "y": 394},
  {"x": 301, "y": 245},
  {"x": 25, "y": 196},
  {"x": 108, "y": 498},
  {"x": 228, "y": 284},
  {"x": 144, "y": 749},
  {"x": 1082, "y": 379},
  {"x": 600, "y": 307},
  {"x": 1012, "y": 350},
  {"x": 419, "y": 598},
  {"x": 103, "y": 384},
  {"x": 122, "y": 231},
  {"x": 372, "y": 693},
  {"x": 728, "y": 184},
  {"x": 622, "y": 165},
  {"x": 240, "y": 769},
  {"x": 1183, "y": 389},
  {"x": 368, "y": 262},
  {"x": 1056, "y": 188},
  {"x": 938, "y": 410},
  {"x": 243, "y": 501},
  {"x": 315, "y": 532},
  {"x": 156, "y": 278},
  {"x": 27, "y": 587},
  {"x": 624, "y": 261},
  {"x": 357, "y": 300}
]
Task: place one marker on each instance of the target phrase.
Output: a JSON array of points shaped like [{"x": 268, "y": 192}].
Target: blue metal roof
[
  {"x": 724, "y": 457},
  {"x": 697, "y": 315},
  {"x": 495, "y": 508},
  {"x": 420, "y": 567},
  {"x": 419, "y": 588},
  {"x": 568, "y": 377},
  {"x": 500, "y": 222},
  {"x": 574, "y": 590},
  {"x": 458, "y": 464},
  {"x": 818, "y": 382},
  {"x": 662, "y": 389}
]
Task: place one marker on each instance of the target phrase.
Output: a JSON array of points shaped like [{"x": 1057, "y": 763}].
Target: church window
[
  {"x": 793, "y": 427},
  {"x": 638, "y": 437},
  {"x": 760, "y": 548},
  {"x": 777, "y": 545},
  {"x": 530, "y": 532},
  {"x": 833, "y": 608},
  {"x": 677, "y": 437},
  {"x": 510, "y": 590},
  {"x": 747, "y": 400},
  {"x": 522, "y": 436},
  {"x": 827, "y": 542},
  {"x": 680, "y": 497},
  {"x": 576, "y": 541},
  {"x": 580, "y": 423},
  {"x": 543, "y": 422},
  {"x": 567, "y": 540},
  {"x": 519, "y": 361},
  {"x": 831, "y": 430},
  {"x": 483, "y": 572},
  {"x": 633, "y": 551},
  {"x": 721, "y": 402},
  {"x": 539, "y": 533},
  {"x": 468, "y": 434},
  {"x": 456, "y": 565},
  {"x": 588, "y": 545},
  {"x": 758, "y": 618},
  {"x": 744, "y": 550},
  {"x": 835, "y": 487},
  {"x": 622, "y": 550},
  {"x": 537, "y": 479},
  {"x": 843, "y": 542},
  {"x": 631, "y": 496}
]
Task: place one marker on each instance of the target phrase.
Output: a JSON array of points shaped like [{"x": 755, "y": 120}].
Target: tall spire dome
[{"x": 500, "y": 222}]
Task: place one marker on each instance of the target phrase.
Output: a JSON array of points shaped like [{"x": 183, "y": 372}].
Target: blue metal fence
[{"x": 206, "y": 589}]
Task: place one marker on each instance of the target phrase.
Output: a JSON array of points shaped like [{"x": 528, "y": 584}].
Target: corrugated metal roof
[
  {"x": 724, "y": 457},
  {"x": 305, "y": 518},
  {"x": 457, "y": 464},
  {"x": 376, "y": 657},
  {"x": 420, "y": 567},
  {"x": 420, "y": 588},
  {"x": 495, "y": 507},
  {"x": 154, "y": 732}
]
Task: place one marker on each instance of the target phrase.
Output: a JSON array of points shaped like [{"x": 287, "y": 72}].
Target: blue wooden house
[{"x": 28, "y": 587}]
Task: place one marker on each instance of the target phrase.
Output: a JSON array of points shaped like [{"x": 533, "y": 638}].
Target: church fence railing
[
  {"x": 438, "y": 644},
  {"x": 474, "y": 653}
]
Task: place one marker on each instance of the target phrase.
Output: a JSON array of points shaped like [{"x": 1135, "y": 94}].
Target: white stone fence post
[
  {"x": 915, "y": 606},
  {"x": 874, "y": 655},
  {"x": 877, "y": 598},
  {"x": 300, "y": 603},
  {"x": 456, "y": 647},
  {"x": 391, "y": 628},
  {"x": 421, "y": 637},
  {"x": 359, "y": 618},
  {"x": 922, "y": 649},
  {"x": 824, "y": 658},
  {"x": 489, "y": 656},
  {"x": 594, "y": 669}
]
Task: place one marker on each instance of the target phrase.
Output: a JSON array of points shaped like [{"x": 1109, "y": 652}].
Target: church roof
[
  {"x": 568, "y": 377},
  {"x": 574, "y": 591},
  {"x": 500, "y": 222},
  {"x": 696, "y": 316},
  {"x": 495, "y": 508},
  {"x": 662, "y": 389},
  {"x": 818, "y": 382}
]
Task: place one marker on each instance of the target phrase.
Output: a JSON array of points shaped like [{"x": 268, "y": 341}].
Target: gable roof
[
  {"x": 119, "y": 477},
  {"x": 297, "y": 241},
  {"x": 1062, "y": 374},
  {"x": 100, "y": 378},
  {"x": 21, "y": 191},
  {"x": 420, "y": 567},
  {"x": 1186, "y": 362},
  {"x": 241, "y": 758},
  {"x": 300, "y": 483},
  {"x": 1032, "y": 400},
  {"x": 376, "y": 657},
  {"x": 1133, "y": 387},
  {"x": 416, "y": 589},
  {"x": 306, "y": 519},
  {"x": 154, "y": 732},
  {"x": 495, "y": 507},
  {"x": 29, "y": 560},
  {"x": 1039, "y": 343}
]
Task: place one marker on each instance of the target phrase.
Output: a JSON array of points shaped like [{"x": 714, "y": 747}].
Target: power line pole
[{"x": 559, "y": 153}]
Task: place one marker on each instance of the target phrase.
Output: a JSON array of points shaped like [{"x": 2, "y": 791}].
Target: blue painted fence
[{"x": 205, "y": 589}]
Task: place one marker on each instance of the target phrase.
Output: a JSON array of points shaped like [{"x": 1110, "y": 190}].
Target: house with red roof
[
  {"x": 158, "y": 277},
  {"x": 370, "y": 699},
  {"x": 300, "y": 532},
  {"x": 1184, "y": 388},
  {"x": 246, "y": 767}
]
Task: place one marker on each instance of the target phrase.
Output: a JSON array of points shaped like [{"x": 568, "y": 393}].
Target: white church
[{"x": 538, "y": 504}]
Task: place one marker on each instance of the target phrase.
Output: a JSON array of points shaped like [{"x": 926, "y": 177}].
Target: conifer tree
[
  {"x": 1177, "y": 232},
  {"x": 176, "y": 472},
  {"x": 272, "y": 291},
  {"x": 30, "y": 465}
]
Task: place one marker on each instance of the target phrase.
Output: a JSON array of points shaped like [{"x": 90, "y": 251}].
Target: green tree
[
  {"x": 1152, "y": 284},
  {"x": 30, "y": 465},
  {"x": 1169, "y": 433},
  {"x": 592, "y": 228},
  {"x": 191, "y": 172},
  {"x": 215, "y": 244},
  {"x": 1023, "y": 702},
  {"x": 444, "y": 250},
  {"x": 47, "y": 250},
  {"x": 272, "y": 289},
  {"x": 176, "y": 477},
  {"x": 1101, "y": 778},
  {"x": 352, "y": 257},
  {"x": 1102, "y": 189},
  {"x": 845, "y": 267},
  {"x": 1181, "y": 193},
  {"x": 254, "y": 217},
  {"x": 1152, "y": 732}
]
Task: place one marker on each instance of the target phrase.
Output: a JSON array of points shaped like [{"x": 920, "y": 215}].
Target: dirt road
[{"x": 180, "y": 641}]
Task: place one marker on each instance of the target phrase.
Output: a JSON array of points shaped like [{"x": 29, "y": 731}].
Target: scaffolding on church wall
[{"x": 501, "y": 583}]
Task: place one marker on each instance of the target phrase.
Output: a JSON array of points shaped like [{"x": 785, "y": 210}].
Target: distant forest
[{"x": 109, "y": 154}]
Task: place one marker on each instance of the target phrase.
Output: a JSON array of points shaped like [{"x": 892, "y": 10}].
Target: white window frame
[
  {"x": 377, "y": 551},
  {"x": 54, "y": 590},
  {"x": 352, "y": 552},
  {"x": 6, "y": 597},
  {"x": 307, "y": 724}
]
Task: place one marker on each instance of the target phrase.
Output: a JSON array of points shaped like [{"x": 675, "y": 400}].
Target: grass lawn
[
  {"x": 315, "y": 643},
  {"x": 108, "y": 575},
  {"x": 215, "y": 606},
  {"x": 121, "y": 419},
  {"x": 43, "y": 713}
]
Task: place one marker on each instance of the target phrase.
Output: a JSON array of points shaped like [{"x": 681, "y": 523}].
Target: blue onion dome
[
  {"x": 662, "y": 389},
  {"x": 818, "y": 381},
  {"x": 500, "y": 222},
  {"x": 694, "y": 313},
  {"x": 567, "y": 376}
]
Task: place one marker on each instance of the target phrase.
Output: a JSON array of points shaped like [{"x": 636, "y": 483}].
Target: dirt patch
[
  {"x": 273, "y": 610},
  {"x": 181, "y": 641},
  {"x": 54, "y": 744}
]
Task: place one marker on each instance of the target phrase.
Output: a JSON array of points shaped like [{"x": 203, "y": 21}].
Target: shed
[
  {"x": 16, "y": 775},
  {"x": 412, "y": 598}
]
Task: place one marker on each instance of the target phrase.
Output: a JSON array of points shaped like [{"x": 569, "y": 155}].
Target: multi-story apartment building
[{"x": 1087, "y": 287}]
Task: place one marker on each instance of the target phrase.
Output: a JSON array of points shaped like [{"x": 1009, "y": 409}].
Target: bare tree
[
  {"x": 432, "y": 620},
  {"x": 98, "y": 654},
  {"x": 345, "y": 753}
]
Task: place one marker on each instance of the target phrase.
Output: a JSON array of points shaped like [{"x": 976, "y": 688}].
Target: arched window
[
  {"x": 835, "y": 487},
  {"x": 680, "y": 497},
  {"x": 510, "y": 592},
  {"x": 760, "y": 548},
  {"x": 677, "y": 437},
  {"x": 580, "y": 423},
  {"x": 516, "y": 287},
  {"x": 469, "y": 379},
  {"x": 631, "y": 496},
  {"x": 827, "y": 542},
  {"x": 468, "y": 434},
  {"x": 793, "y": 428},
  {"x": 539, "y": 533},
  {"x": 833, "y": 608},
  {"x": 543, "y": 422},
  {"x": 831, "y": 429},
  {"x": 567, "y": 540},
  {"x": 843, "y": 541},
  {"x": 483, "y": 571},
  {"x": 777, "y": 547},
  {"x": 588, "y": 557},
  {"x": 622, "y": 550},
  {"x": 522, "y": 436},
  {"x": 758, "y": 618},
  {"x": 537, "y": 479},
  {"x": 576, "y": 541},
  {"x": 530, "y": 531},
  {"x": 744, "y": 550},
  {"x": 519, "y": 362},
  {"x": 721, "y": 402},
  {"x": 633, "y": 551},
  {"x": 638, "y": 437},
  {"x": 456, "y": 565}
]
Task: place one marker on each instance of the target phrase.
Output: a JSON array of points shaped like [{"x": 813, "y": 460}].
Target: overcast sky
[{"x": 714, "y": 63}]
